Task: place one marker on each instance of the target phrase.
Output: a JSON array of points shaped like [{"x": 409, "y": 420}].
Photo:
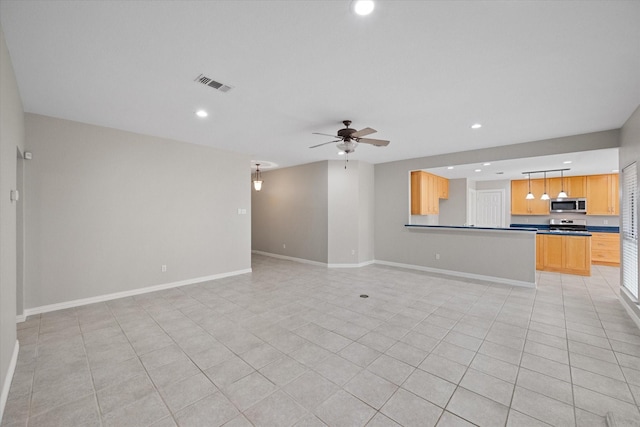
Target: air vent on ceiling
[{"x": 202, "y": 79}]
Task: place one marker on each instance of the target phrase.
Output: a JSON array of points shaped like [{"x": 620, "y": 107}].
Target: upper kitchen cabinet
[
  {"x": 602, "y": 195},
  {"x": 426, "y": 190},
  {"x": 520, "y": 205},
  {"x": 574, "y": 186}
]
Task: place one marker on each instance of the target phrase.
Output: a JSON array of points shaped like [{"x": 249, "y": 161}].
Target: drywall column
[
  {"x": 350, "y": 207},
  {"x": 11, "y": 139}
]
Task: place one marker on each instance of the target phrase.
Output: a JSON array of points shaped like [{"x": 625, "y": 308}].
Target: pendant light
[
  {"x": 257, "y": 179},
  {"x": 545, "y": 196},
  {"x": 562, "y": 194},
  {"x": 530, "y": 195}
]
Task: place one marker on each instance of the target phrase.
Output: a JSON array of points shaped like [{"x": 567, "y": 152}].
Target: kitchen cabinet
[
  {"x": 574, "y": 186},
  {"x": 519, "y": 203},
  {"x": 426, "y": 191},
  {"x": 602, "y": 195},
  {"x": 443, "y": 187},
  {"x": 605, "y": 248},
  {"x": 566, "y": 254}
]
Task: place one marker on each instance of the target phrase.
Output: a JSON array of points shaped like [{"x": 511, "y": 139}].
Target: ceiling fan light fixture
[{"x": 363, "y": 7}]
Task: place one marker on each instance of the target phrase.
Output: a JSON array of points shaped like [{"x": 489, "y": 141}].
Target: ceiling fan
[{"x": 348, "y": 138}]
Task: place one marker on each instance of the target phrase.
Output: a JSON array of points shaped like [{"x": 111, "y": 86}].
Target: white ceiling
[{"x": 420, "y": 72}]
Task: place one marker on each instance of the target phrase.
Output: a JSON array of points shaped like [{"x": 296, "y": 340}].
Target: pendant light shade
[
  {"x": 257, "y": 178},
  {"x": 562, "y": 194},
  {"x": 545, "y": 196},
  {"x": 530, "y": 195}
]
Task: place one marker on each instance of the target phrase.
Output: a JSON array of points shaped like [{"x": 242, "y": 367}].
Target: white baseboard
[
  {"x": 306, "y": 261},
  {"x": 500, "y": 280},
  {"x": 361, "y": 264},
  {"x": 123, "y": 294},
  {"x": 7, "y": 381},
  {"x": 632, "y": 307},
  {"x": 290, "y": 258}
]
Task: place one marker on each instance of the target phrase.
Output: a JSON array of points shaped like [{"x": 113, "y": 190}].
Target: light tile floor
[{"x": 293, "y": 344}]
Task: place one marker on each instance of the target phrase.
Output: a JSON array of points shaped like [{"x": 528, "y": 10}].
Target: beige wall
[
  {"x": 11, "y": 139},
  {"x": 106, "y": 208},
  {"x": 321, "y": 211},
  {"x": 291, "y": 210}
]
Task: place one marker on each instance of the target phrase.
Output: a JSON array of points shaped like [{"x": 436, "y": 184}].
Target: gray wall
[
  {"x": 321, "y": 211},
  {"x": 629, "y": 153},
  {"x": 11, "y": 139},
  {"x": 394, "y": 243},
  {"x": 292, "y": 210},
  {"x": 106, "y": 208},
  {"x": 453, "y": 211}
]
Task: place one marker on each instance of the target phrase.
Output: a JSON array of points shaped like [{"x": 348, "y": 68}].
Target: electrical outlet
[
  {"x": 353, "y": 251},
  {"x": 437, "y": 256},
  {"x": 284, "y": 246},
  {"x": 606, "y": 221},
  {"x": 164, "y": 268}
]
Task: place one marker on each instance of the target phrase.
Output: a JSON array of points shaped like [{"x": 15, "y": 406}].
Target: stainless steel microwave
[{"x": 578, "y": 205}]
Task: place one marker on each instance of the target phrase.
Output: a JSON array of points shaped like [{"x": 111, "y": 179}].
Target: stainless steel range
[{"x": 565, "y": 225}]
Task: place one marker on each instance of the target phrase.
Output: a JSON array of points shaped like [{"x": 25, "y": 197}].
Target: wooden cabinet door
[
  {"x": 538, "y": 206},
  {"x": 598, "y": 195},
  {"x": 605, "y": 248},
  {"x": 432, "y": 195},
  {"x": 577, "y": 252},
  {"x": 553, "y": 249},
  {"x": 416, "y": 193},
  {"x": 615, "y": 197},
  {"x": 539, "y": 251},
  {"x": 519, "y": 203},
  {"x": 554, "y": 186},
  {"x": 443, "y": 188},
  {"x": 576, "y": 186}
]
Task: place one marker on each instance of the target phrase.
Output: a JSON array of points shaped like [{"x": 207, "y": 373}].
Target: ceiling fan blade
[
  {"x": 363, "y": 132},
  {"x": 376, "y": 142},
  {"x": 324, "y": 143},
  {"x": 324, "y": 134}
]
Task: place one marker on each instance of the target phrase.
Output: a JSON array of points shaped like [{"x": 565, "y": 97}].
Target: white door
[
  {"x": 471, "y": 207},
  {"x": 490, "y": 208}
]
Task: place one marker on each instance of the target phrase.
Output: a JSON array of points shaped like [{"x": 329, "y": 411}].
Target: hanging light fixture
[
  {"x": 530, "y": 195},
  {"x": 562, "y": 194},
  {"x": 257, "y": 178},
  {"x": 545, "y": 196}
]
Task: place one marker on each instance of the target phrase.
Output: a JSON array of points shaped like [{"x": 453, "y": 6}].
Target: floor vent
[{"x": 202, "y": 79}]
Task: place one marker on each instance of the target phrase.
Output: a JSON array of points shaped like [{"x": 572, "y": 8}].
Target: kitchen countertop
[{"x": 544, "y": 229}]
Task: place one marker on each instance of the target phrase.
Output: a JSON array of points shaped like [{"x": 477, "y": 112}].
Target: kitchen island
[
  {"x": 498, "y": 255},
  {"x": 564, "y": 252}
]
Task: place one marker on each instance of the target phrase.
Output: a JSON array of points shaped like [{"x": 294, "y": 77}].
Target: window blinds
[{"x": 630, "y": 229}]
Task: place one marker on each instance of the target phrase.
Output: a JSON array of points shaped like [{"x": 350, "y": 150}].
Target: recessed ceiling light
[
  {"x": 201, "y": 113},
  {"x": 478, "y": 170},
  {"x": 340, "y": 153},
  {"x": 615, "y": 170},
  {"x": 566, "y": 162},
  {"x": 476, "y": 126},
  {"x": 450, "y": 167},
  {"x": 363, "y": 7},
  {"x": 486, "y": 164}
]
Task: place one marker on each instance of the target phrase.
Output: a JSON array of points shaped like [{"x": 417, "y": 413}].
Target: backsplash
[{"x": 597, "y": 220}]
